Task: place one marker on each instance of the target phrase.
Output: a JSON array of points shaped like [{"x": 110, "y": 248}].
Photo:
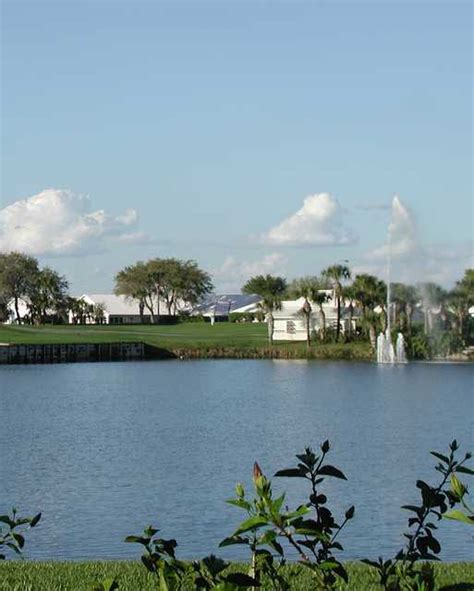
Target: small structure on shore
[{"x": 290, "y": 323}]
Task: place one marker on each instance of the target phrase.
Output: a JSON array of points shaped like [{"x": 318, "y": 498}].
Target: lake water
[{"x": 106, "y": 449}]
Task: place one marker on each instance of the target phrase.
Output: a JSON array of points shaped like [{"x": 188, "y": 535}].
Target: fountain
[{"x": 386, "y": 352}]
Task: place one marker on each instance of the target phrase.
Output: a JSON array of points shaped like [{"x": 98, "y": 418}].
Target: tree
[
  {"x": 47, "y": 294},
  {"x": 335, "y": 275},
  {"x": 312, "y": 290},
  {"x": 369, "y": 292},
  {"x": 320, "y": 298},
  {"x": 135, "y": 283},
  {"x": 272, "y": 290},
  {"x": 404, "y": 298},
  {"x": 349, "y": 295},
  {"x": 171, "y": 280},
  {"x": 18, "y": 273},
  {"x": 98, "y": 312},
  {"x": 183, "y": 281},
  {"x": 460, "y": 299},
  {"x": 80, "y": 309}
]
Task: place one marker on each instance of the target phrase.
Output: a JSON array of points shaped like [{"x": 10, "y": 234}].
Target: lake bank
[{"x": 182, "y": 341}]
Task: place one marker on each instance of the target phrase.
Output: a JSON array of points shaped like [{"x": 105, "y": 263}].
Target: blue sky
[{"x": 214, "y": 121}]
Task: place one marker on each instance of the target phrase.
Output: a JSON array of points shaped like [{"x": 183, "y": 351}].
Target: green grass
[
  {"x": 222, "y": 339},
  {"x": 132, "y": 576}
]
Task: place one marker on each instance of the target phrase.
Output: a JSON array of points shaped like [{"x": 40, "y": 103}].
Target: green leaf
[
  {"x": 328, "y": 565},
  {"x": 267, "y": 537},
  {"x": 232, "y": 541},
  {"x": 414, "y": 508},
  {"x": 19, "y": 539},
  {"x": 242, "y": 580},
  {"x": 240, "y": 503},
  {"x": 458, "y": 515},
  {"x": 291, "y": 473},
  {"x": 35, "y": 520},
  {"x": 329, "y": 470},
  {"x": 6, "y": 519},
  {"x": 137, "y": 540},
  {"x": 464, "y": 470},
  {"x": 277, "y": 503},
  {"x": 303, "y": 510},
  {"x": 249, "y": 524},
  {"x": 444, "y": 459}
]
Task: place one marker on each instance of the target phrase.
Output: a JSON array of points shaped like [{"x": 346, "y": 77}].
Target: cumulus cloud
[
  {"x": 59, "y": 222},
  {"x": 232, "y": 274},
  {"x": 319, "y": 222}
]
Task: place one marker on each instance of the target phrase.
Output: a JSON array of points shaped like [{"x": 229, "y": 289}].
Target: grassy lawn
[
  {"x": 132, "y": 576},
  {"x": 200, "y": 336}
]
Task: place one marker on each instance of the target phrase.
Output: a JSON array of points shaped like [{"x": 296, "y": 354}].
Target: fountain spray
[{"x": 386, "y": 353}]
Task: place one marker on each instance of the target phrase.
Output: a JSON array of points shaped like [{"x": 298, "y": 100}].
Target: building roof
[
  {"x": 222, "y": 304},
  {"x": 114, "y": 305}
]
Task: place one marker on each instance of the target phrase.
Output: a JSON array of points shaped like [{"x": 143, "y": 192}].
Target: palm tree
[
  {"x": 336, "y": 274},
  {"x": 271, "y": 289},
  {"x": 99, "y": 310},
  {"x": 369, "y": 292},
  {"x": 320, "y": 298},
  {"x": 348, "y": 294},
  {"x": 460, "y": 299}
]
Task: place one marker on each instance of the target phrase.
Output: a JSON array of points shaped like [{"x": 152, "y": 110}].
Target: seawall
[{"x": 71, "y": 353}]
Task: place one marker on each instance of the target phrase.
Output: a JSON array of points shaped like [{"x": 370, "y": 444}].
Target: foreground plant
[
  {"x": 317, "y": 535},
  {"x": 310, "y": 530},
  {"x": 159, "y": 559},
  {"x": 402, "y": 572},
  {"x": 12, "y": 537},
  {"x": 172, "y": 574},
  {"x": 458, "y": 492}
]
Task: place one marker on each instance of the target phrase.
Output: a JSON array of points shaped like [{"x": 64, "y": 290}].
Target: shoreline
[{"x": 51, "y": 353}]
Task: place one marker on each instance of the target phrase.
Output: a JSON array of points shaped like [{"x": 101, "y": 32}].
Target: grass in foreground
[
  {"x": 132, "y": 576},
  {"x": 199, "y": 336}
]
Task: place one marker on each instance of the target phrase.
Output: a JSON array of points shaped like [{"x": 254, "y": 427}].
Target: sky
[{"x": 250, "y": 136}]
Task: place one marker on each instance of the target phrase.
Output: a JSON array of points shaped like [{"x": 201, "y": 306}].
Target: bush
[{"x": 242, "y": 317}]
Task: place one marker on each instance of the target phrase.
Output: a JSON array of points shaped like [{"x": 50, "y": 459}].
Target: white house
[
  {"x": 290, "y": 323},
  {"x": 23, "y": 310},
  {"x": 118, "y": 309}
]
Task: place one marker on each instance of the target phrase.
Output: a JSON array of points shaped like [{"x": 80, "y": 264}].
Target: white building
[
  {"x": 117, "y": 309},
  {"x": 23, "y": 310},
  {"x": 290, "y": 322}
]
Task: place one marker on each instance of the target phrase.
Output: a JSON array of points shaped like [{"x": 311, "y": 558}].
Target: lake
[{"x": 105, "y": 449}]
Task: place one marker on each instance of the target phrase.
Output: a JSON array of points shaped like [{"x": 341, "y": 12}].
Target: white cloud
[
  {"x": 232, "y": 274},
  {"x": 318, "y": 223},
  {"x": 59, "y": 222}
]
